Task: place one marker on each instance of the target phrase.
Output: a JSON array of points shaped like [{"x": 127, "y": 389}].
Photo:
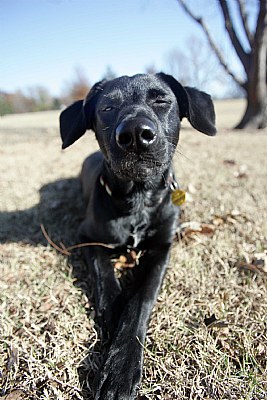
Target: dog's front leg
[
  {"x": 122, "y": 370},
  {"x": 106, "y": 288}
]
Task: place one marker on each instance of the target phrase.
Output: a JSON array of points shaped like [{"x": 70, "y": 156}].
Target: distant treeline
[
  {"x": 38, "y": 98},
  {"x": 19, "y": 102}
]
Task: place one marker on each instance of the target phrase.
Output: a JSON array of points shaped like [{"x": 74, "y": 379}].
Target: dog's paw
[{"x": 120, "y": 374}]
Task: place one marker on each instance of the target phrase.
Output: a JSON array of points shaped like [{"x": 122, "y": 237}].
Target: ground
[{"x": 207, "y": 337}]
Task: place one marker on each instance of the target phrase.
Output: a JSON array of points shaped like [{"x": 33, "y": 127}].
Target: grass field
[{"x": 208, "y": 334}]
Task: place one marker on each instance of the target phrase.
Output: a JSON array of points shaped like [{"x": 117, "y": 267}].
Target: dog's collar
[
  {"x": 105, "y": 185},
  {"x": 177, "y": 195},
  {"x": 171, "y": 184}
]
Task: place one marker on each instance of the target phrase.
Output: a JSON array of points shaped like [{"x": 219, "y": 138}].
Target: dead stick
[
  {"x": 66, "y": 250},
  {"x": 62, "y": 251}
]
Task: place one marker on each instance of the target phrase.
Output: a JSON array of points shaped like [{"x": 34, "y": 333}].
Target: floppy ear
[
  {"x": 72, "y": 123},
  {"x": 194, "y": 105},
  {"x": 79, "y": 117}
]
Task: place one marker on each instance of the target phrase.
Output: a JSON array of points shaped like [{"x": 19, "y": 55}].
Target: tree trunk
[
  {"x": 256, "y": 92},
  {"x": 256, "y": 86},
  {"x": 255, "y": 115}
]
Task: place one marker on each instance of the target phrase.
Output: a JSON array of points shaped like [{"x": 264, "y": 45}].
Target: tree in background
[
  {"x": 253, "y": 60},
  {"x": 39, "y": 98},
  {"x": 109, "y": 74},
  {"x": 35, "y": 98},
  {"x": 77, "y": 88},
  {"x": 151, "y": 69},
  {"x": 6, "y": 106},
  {"x": 194, "y": 66}
]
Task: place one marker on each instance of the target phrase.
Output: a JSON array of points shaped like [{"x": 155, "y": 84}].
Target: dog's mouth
[{"x": 139, "y": 168}]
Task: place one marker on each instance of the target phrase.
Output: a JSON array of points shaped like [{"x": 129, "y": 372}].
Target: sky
[{"x": 42, "y": 42}]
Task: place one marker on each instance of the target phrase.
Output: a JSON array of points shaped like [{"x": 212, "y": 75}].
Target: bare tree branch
[
  {"x": 261, "y": 21},
  {"x": 244, "y": 18},
  {"x": 242, "y": 55},
  {"x": 212, "y": 43}
]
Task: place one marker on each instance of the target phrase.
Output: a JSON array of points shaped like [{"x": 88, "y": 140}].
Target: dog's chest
[
  {"x": 138, "y": 230},
  {"x": 132, "y": 229}
]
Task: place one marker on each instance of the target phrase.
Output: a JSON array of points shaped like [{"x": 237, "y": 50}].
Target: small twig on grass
[
  {"x": 61, "y": 250},
  {"x": 67, "y": 250}
]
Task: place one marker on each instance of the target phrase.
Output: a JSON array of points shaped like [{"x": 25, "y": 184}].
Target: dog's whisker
[{"x": 179, "y": 152}]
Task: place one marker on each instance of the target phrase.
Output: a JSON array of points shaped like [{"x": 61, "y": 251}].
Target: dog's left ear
[
  {"x": 79, "y": 117},
  {"x": 194, "y": 105}
]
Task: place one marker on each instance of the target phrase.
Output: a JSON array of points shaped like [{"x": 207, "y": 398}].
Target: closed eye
[
  {"x": 108, "y": 108},
  {"x": 161, "y": 101}
]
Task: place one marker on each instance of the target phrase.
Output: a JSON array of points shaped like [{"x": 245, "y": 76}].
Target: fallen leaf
[
  {"x": 191, "y": 188},
  {"x": 189, "y": 229},
  {"x": 229, "y": 162},
  {"x": 240, "y": 175},
  {"x": 218, "y": 220},
  {"x": 207, "y": 229},
  {"x": 46, "y": 306},
  {"x": 189, "y": 198},
  {"x": 123, "y": 259},
  {"x": 256, "y": 266},
  {"x": 128, "y": 260},
  {"x": 231, "y": 217},
  {"x": 235, "y": 213},
  {"x": 241, "y": 172}
]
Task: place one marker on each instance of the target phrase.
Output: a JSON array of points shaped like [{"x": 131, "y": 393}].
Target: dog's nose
[{"x": 136, "y": 133}]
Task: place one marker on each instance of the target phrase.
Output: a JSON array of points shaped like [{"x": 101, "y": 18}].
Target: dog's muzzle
[{"x": 136, "y": 134}]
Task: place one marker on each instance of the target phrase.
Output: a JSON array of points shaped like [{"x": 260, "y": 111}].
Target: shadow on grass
[{"x": 60, "y": 210}]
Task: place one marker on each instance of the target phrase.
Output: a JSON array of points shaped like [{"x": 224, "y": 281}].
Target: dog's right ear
[{"x": 78, "y": 117}]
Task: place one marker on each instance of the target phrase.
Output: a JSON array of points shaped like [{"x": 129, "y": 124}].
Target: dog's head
[{"x": 137, "y": 121}]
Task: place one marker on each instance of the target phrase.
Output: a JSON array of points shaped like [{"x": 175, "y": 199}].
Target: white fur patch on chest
[{"x": 136, "y": 239}]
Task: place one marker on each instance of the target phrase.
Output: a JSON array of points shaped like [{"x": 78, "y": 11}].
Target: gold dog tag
[{"x": 178, "y": 197}]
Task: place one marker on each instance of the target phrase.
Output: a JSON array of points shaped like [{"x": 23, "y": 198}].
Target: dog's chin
[
  {"x": 138, "y": 172},
  {"x": 137, "y": 176}
]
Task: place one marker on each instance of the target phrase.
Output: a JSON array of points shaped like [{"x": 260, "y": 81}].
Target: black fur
[{"x": 127, "y": 187}]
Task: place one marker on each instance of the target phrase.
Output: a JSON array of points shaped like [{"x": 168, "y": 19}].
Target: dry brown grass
[{"x": 47, "y": 329}]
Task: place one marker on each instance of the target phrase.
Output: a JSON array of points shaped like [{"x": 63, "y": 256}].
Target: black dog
[{"x": 128, "y": 188}]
